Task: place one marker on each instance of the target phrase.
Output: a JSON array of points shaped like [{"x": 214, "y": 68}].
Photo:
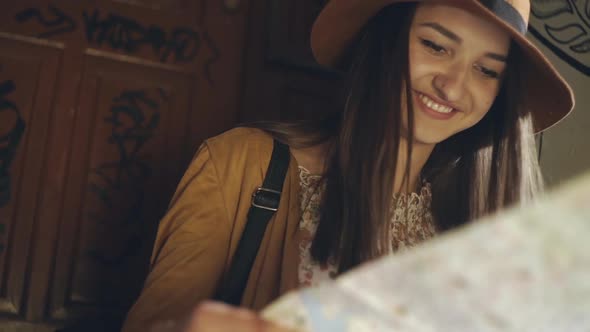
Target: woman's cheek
[{"x": 486, "y": 97}]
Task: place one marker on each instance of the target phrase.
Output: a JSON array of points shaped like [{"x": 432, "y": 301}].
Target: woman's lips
[{"x": 436, "y": 110}]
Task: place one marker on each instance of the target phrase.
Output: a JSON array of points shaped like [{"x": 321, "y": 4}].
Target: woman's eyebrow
[
  {"x": 453, "y": 36},
  {"x": 443, "y": 31},
  {"x": 497, "y": 57}
]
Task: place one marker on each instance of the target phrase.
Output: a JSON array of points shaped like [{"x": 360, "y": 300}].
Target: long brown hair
[{"x": 486, "y": 167}]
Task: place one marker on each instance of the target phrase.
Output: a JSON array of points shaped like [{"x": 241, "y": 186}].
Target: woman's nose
[{"x": 450, "y": 85}]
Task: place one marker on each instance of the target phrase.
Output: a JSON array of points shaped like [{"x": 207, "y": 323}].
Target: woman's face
[{"x": 457, "y": 61}]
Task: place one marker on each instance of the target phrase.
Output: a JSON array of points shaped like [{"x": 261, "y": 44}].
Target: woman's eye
[
  {"x": 488, "y": 72},
  {"x": 433, "y": 46}
]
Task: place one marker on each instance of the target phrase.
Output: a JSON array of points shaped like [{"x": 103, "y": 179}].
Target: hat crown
[
  {"x": 523, "y": 7},
  {"x": 513, "y": 12}
]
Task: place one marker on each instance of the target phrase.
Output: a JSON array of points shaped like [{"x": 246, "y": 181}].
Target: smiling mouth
[{"x": 434, "y": 106}]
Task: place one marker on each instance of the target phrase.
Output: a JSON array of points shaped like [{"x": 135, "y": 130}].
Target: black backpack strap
[{"x": 265, "y": 201}]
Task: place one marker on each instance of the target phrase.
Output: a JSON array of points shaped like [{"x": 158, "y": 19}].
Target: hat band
[{"x": 507, "y": 13}]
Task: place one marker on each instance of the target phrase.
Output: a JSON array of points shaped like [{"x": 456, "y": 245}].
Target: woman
[{"x": 444, "y": 99}]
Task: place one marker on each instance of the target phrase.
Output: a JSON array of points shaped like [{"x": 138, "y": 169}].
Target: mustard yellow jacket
[{"x": 200, "y": 232}]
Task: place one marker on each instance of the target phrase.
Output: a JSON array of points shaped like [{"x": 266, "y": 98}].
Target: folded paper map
[{"x": 525, "y": 269}]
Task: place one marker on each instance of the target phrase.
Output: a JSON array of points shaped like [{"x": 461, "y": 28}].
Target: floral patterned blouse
[{"x": 411, "y": 223}]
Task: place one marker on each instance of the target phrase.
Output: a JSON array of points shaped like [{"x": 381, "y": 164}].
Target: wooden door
[{"x": 102, "y": 104}]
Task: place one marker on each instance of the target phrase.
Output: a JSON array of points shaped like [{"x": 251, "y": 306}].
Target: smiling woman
[
  {"x": 437, "y": 129},
  {"x": 457, "y": 61}
]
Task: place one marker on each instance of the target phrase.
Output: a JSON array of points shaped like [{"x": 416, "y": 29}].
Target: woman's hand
[{"x": 219, "y": 317}]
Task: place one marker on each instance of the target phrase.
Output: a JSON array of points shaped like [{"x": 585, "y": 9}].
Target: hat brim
[{"x": 547, "y": 95}]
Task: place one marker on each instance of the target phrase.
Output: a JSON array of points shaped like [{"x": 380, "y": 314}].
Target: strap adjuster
[{"x": 266, "y": 199}]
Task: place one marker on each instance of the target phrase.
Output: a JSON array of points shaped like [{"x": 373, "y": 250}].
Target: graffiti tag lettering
[
  {"x": 126, "y": 34},
  {"x": 57, "y": 22},
  {"x": 9, "y": 140},
  {"x": 121, "y": 33},
  {"x": 119, "y": 185}
]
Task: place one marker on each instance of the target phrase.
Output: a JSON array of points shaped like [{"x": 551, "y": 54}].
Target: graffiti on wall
[
  {"x": 54, "y": 21},
  {"x": 10, "y": 138},
  {"x": 126, "y": 34},
  {"x": 119, "y": 185}
]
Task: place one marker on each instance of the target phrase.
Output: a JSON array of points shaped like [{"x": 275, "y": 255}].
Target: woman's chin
[{"x": 429, "y": 137}]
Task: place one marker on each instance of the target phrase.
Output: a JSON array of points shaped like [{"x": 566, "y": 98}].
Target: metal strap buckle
[{"x": 266, "y": 199}]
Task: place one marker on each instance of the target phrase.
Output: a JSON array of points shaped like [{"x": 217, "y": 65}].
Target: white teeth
[{"x": 435, "y": 106}]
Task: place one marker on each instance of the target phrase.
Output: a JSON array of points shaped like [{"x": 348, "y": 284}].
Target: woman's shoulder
[
  {"x": 240, "y": 139},
  {"x": 241, "y": 135},
  {"x": 239, "y": 148},
  {"x": 247, "y": 144}
]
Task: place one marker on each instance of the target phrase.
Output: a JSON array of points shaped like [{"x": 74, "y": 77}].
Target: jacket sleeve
[{"x": 190, "y": 249}]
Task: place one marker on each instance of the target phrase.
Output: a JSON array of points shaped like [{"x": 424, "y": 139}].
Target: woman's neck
[
  {"x": 420, "y": 154},
  {"x": 313, "y": 159}
]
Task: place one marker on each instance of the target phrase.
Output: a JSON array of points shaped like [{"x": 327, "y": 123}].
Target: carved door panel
[
  {"x": 27, "y": 85},
  {"x": 125, "y": 155},
  {"x": 282, "y": 81},
  {"x": 102, "y": 104}
]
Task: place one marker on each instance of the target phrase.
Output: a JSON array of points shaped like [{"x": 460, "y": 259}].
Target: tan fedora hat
[{"x": 549, "y": 97}]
